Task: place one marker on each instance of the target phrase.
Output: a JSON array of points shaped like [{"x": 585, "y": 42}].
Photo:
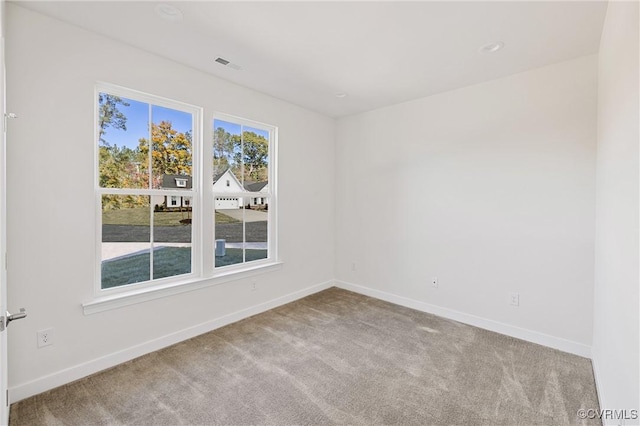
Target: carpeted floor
[{"x": 335, "y": 357}]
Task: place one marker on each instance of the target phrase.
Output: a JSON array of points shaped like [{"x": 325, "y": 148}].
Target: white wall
[
  {"x": 491, "y": 189},
  {"x": 616, "y": 351},
  {"x": 52, "y": 70}
]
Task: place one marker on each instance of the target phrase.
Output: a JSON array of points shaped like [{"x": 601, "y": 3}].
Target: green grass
[
  {"x": 223, "y": 218},
  {"x": 167, "y": 262},
  {"x": 234, "y": 255},
  {"x": 140, "y": 216}
]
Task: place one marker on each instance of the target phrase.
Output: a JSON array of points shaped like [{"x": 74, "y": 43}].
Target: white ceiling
[{"x": 379, "y": 53}]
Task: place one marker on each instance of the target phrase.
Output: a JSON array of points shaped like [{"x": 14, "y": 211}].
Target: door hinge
[
  {"x": 7, "y": 397},
  {"x": 1, "y": 323}
]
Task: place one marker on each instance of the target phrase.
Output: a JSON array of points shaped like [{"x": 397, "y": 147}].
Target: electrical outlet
[
  {"x": 353, "y": 266},
  {"x": 45, "y": 337},
  {"x": 434, "y": 281},
  {"x": 254, "y": 286},
  {"x": 514, "y": 299}
]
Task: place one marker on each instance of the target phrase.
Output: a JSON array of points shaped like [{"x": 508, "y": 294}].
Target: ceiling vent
[{"x": 226, "y": 63}]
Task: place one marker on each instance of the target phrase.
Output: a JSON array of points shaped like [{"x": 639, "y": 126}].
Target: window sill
[{"x": 105, "y": 303}]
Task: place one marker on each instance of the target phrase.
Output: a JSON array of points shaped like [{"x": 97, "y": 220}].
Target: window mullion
[
  {"x": 150, "y": 192},
  {"x": 150, "y": 146},
  {"x": 244, "y": 222},
  {"x": 150, "y": 178},
  {"x": 244, "y": 235},
  {"x": 151, "y": 239}
]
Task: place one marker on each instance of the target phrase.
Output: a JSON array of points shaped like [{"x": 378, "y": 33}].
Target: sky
[{"x": 137, "y": 114}]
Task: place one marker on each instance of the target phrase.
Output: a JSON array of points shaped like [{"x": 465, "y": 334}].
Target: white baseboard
[
  {"x": 68, "y": 375},
  {"x": 487, "y": 324}
]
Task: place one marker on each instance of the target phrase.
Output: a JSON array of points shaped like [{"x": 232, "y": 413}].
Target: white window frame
[
  {"x": 203, "y": 272},
  {"x": 194, "y": 192},
  {"x": 272, "y": 234}
]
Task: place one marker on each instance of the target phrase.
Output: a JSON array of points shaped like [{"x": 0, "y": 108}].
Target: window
[
  {"x": 151, "y": 189},
  {"x": 242, "y": 154},
  {"x": 144, "y": 142}
]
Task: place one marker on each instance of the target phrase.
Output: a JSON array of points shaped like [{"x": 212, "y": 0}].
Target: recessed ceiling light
[
  {"x": 341, "y": 95},
  {"x": 492, "y": 47},
  {"x": 168, "y": 12}
]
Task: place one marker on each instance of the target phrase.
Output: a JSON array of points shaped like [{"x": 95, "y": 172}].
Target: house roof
[
  {"x": 255, "y": 186},
  {"x": 248, "y": 185},
  {"x": 219, "y": 175},
  {"x": 170, "y": 181}
]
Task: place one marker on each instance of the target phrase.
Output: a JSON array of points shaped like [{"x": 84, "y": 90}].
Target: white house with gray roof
[
  {"x": 174, "y": 202},
  {"x": 225, "y": 182}
]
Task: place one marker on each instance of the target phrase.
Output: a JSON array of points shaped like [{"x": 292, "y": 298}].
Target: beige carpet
[{"x": 335, "y": 357}]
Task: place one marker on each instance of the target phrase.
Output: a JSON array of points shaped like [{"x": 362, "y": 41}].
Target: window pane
[
  {"x": 125, "y": 240},
  {"x": 171, "y": 148},
  {"x": 256, "y": 219},
  {"x": 171, "y": 236},
  {"x": 229, "y": 232},
  {"x": 255, "y": 156},
  {"x": 123, "y": 126},
  {"x": 227, "y": 154}
]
